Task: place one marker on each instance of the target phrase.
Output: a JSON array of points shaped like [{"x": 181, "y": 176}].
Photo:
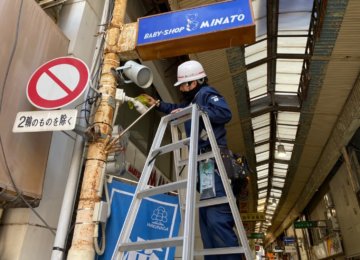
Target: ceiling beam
[{"x": 272, "y": 9}]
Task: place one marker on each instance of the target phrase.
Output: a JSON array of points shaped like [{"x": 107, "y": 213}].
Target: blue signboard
[
  {"x": 158, "y": 217},
  {"x": 289, "y": 240},
  {"x": 195, "y": 21}
]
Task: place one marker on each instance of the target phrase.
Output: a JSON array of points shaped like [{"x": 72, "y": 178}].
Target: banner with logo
[{"x": 158, "y": 217}]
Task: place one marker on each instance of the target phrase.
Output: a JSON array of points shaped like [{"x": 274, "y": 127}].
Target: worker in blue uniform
[{"x": 216, "y": 222}]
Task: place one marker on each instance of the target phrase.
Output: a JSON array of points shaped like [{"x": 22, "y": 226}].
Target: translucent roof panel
[
  {"x": 263, "y": 156},
  {"x": 263, "y": 174},
  {"x": 287, "y": 125},
  {"x": 268, "y": 217},
  {"x": 279, "y": 173},
  {"x": 281, "y": 166},
  {"x": 292, "y": 44},
  {"x": 261, "y": 201},
  {"x": 270, "y": 211},
  {"x": 257, "y": 78},
  {"x": 262, "y": 194},
  {"x": 262, "y": 183},
  {"x": 261, "y": 134},
  {"x": 261, "y": 204},
  {"x": 287, "y": 132},
  {"x": 288, "y": 75},
  {"x": 262, "y": 171},
  {"x": 274, "y": 179},
  {"x": 274, "y": 201},
  {"x": 288, "y": 118},
  {"x": 286, "y": 88},
  {"x": 261, "y": 208},
  {"x": 260, "y": 121},
  {"x": 259, "y": 17},
  {"x": 276, "y": 193},
  {"x": 255, "y": 52},
  {"x": 262, "y": 167},
  {"x": 278, "y": 182},
  {"x": 295, "y": 15},
  {"x": 292, "y": 37},
  {"x": 262, "y": 148},
  {"x": 271, "y": 207}
]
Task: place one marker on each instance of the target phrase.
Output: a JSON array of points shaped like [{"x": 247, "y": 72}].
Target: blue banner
[
  {"x": 158, "y": 217},
  {"x": 195, "y": 21}
]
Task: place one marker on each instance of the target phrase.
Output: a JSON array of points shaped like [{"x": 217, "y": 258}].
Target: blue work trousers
[{"x": 216, "y": 226}]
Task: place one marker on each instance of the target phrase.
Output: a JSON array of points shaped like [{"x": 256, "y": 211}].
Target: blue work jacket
[{"x": 214, "y": 105}]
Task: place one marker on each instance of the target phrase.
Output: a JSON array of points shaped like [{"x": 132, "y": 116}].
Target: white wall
[
  {"x": 23, "y": 235},
  {"x": 347, "y": 210}
]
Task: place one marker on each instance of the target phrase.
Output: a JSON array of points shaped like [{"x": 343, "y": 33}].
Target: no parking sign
[{"x": 57, "y": 83}]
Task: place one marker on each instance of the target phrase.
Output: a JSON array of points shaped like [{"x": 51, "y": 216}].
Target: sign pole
[{"x": 82, "y": 246}]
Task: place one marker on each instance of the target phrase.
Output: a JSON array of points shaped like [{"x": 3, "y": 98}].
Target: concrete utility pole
[{"x": 82, "y": 244}]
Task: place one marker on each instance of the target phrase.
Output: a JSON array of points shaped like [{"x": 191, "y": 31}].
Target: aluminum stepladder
[{"x": 189, "y": 183}]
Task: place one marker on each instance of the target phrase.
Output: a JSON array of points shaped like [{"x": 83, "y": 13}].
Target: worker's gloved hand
[
  {"x": 176, "y": 110},
  {"x": 149, "y": 99}
]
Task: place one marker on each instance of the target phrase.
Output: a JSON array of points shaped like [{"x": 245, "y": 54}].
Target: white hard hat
[{"x": 189, "y": 71}]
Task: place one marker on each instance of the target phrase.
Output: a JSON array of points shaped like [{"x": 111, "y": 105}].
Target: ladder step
[
  {"x": 180, "y": 120},
  {"x": 220, "y": 251},
  {"x": 201, "y": 157},
  {"x": 183, "y": 112},
  {"x": 211, "y": 202},
  {"x": 162, "y": 189},
  {"x": 171, "y": 147},
  {"x": 148, "y": 244}
]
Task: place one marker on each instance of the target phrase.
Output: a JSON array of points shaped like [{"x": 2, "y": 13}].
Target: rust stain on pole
[{"x": 82, "y": 243}]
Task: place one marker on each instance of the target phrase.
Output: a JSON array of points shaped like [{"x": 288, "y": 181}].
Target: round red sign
[{"x": 57, "y": 83}]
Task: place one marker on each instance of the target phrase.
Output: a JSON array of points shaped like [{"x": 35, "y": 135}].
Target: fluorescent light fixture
[{"x": 281, "y": 150}]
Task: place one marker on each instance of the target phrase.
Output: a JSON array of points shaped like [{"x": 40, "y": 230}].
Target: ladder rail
[
  {"x": 135, "y": 203},
  {"x": 174, "y": 129},
  {"x": 229, "y": 193},
  {"x": 189, "y": 223}
]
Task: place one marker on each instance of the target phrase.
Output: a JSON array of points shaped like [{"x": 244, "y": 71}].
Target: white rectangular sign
[{"x": 37, "y": 121}]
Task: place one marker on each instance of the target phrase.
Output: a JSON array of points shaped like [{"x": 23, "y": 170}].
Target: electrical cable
[
  {"x": 107, "y": 197},
  {"x": 19, "y": 192},
  {"x": 2, "y": 90},
  {"x": 98, "y": 60},
  {"x": 87, "y": 102},
  {"x": 91, "y": 99},
  {"x": 97, "y": 248}
]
